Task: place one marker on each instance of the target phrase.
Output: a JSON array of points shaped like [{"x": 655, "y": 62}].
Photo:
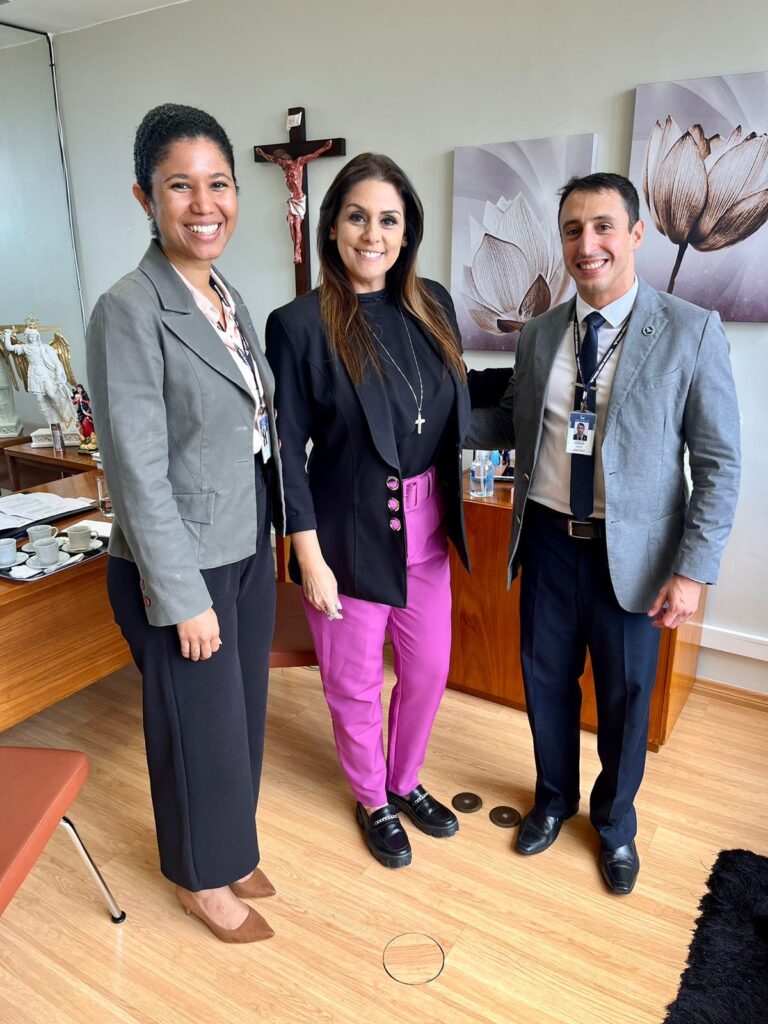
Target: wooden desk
[
  {"x": 29, "y": 467},
  {"x": 485, "y": 656},
  {"x": 57, "y": 634},
  {"x": 7, "y": 442}
]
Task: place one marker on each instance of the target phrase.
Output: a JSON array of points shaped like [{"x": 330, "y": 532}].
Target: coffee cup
[
  {"x": 41, "y": 532},
  {"x": 47, "y": 550},
  {"x": 79, "y": 537},
  {"x": 7, "y": 552}
]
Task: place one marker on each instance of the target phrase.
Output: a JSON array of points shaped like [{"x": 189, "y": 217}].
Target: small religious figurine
[
  {"x": 293, "y": 169},
  {"x": 45, "y": 370},
  {"x": 82, "y": 404}
]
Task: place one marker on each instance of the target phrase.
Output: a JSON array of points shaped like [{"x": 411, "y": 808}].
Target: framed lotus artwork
[
  {"x": 506, "y": 263},
  {"x": 700, "y": 162}
]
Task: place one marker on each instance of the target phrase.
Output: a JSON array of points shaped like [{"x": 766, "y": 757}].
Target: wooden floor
[{"x": 527, "y": 940}]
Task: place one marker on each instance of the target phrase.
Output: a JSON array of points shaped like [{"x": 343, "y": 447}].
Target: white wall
[
  {"x": 414, "y": 80},
  {"x": 36, "y": 265}
]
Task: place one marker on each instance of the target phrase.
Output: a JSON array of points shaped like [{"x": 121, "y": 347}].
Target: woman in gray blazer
[{"x": 182, "y": 399}]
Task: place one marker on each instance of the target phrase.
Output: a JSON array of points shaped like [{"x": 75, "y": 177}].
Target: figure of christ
[{"x": 293, "y": 169}]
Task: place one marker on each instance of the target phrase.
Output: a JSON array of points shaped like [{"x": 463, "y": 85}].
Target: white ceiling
[{"x": 54, "y": 16}]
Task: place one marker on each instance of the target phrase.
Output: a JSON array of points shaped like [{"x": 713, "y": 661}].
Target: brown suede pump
[
  {"x": 253, "y": 929},
  {"x": 255, "y": 887}
]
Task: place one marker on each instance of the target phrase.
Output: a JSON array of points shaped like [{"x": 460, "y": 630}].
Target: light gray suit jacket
[
  {"x": 673, "y": 388},
  {"x": 174, "y": 418}
]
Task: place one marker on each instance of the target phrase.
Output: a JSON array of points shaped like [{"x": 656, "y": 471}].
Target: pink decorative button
[
  {"x": 393, "y": 505},
  {"x": 395, "y": 524},
  {"x": 393, "y": 483},
  {"x": 142, "y": 584},
  {"x": 147, "y": 602}
]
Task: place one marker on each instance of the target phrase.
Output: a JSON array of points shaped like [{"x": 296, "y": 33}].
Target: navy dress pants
[
  {"x": 567, "y": 604},
  {"x": 204, "y": 720}
]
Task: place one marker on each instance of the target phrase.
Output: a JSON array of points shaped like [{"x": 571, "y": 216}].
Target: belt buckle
[
  {"x": 411, "y": 494},
  {"x": 587, "y": 531}
]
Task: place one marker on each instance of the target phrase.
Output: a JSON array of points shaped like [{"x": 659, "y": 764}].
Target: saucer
[
  {"x": 34, "y": 563},
  {"x": 20, "y": 559},
  {"x": 30, "y": 547},
  {"x": 94, "y": 546}
]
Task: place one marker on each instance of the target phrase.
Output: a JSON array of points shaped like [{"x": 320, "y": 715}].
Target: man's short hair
[{"x": 604, "y": 181}]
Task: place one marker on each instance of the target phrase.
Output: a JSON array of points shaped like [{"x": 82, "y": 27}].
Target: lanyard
[
  {"x": 243, "y": 351},
  {"x": 591, "y": 384}
]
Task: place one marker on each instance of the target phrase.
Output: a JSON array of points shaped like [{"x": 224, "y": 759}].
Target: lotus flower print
[
  {"x": 705, "y": 192},
  {"x": 515, "y": 273}
]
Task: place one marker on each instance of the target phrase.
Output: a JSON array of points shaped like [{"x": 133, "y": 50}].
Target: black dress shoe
[
  {"x": 620, "y": 867},
  {"x": 426, "y": 813},
  {"x": 538, "y": 832},
  {"x": 386, "y": 838}
]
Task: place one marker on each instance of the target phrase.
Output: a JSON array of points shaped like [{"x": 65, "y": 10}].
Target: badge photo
[{"x": 580, "y": 436}]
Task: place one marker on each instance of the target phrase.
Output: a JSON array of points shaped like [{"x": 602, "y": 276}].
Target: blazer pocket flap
[
  {"x": 196, "y": 507},
  {"x": 653, "y": 383}
]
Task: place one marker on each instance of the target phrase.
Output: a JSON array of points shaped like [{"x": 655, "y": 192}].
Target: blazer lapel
[
  {"x": 378, "y": 415},
  {"x": 182, "y": 317},
  {"x": 547, "y": 344},
  {"x": 646, "y": 325}
]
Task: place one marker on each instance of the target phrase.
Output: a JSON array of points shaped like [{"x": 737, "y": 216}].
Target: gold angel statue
[{"x": 44, "y": 369}]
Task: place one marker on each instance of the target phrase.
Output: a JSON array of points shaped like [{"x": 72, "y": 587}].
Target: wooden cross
[{"x": 287, "y": 155}]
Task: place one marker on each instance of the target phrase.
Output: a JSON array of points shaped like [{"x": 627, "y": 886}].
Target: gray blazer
[
  {"x": 174, "y": 418},
  {"x": 673, "y": 388}
]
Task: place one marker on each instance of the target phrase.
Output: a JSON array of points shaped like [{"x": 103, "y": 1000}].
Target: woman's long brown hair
[{"x": 348, "y": 334}]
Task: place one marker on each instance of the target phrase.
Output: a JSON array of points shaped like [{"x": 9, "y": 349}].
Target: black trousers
[
  {"x": 567, "y": 604},
  {"x": 204, "y": 721}
]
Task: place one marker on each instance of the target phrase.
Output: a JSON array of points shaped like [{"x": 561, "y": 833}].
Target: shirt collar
[
  {"x": 203, "y": 301},
  {"x": 615, "y": 312}
]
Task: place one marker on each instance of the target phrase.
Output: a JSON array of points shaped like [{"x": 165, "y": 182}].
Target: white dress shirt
[{"x": 551, "y": 483}]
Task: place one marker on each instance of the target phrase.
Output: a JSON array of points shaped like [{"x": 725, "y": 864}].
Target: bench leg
[{"x": 118, "y": 915}]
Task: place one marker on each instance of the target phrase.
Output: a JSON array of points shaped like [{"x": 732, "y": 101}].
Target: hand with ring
[{"x": 334, "y": 612}]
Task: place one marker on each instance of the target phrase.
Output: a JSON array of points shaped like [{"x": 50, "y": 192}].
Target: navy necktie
[{"x": 583, "y": 466}]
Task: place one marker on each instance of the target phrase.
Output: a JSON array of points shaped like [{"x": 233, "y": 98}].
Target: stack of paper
[{"x": 17, "y": 511}]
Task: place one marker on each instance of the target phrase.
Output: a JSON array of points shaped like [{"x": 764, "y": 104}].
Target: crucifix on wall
[{"x": 293, "y": 157}]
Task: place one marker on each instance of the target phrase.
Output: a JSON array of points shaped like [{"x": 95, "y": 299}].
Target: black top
[{"x": 416, "y": 451}]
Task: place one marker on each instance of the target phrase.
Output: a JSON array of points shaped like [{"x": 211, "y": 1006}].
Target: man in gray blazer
[{"x": 613, "y": 545}]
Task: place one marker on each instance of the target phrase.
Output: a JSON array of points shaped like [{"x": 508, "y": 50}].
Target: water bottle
[
  {"x": 488, "y": 475},
  {"x": 481, "y": 475}
]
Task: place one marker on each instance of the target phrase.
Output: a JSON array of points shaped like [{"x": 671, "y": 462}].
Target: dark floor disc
[
  {"x": 505, "y": 817},
  {"x": 467, "y": 802}
]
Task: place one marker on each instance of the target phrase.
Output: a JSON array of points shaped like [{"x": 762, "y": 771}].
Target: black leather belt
[{"x": 579, "y": 529}]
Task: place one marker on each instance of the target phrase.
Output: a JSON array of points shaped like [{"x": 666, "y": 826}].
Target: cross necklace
[{"x": 419, "y": 421}]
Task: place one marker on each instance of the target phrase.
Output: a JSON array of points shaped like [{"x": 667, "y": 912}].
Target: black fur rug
[{"x": 726, "y": 980}]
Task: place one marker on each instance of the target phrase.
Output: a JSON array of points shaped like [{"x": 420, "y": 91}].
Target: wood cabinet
[
  {"x": 485, "y": 657},
  {"x": 58, "y": 634},
  {"x": 30, "y": 467}
]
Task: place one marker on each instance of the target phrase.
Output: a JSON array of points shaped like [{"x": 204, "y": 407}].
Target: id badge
[
  {"x": 580, "y": 436},
  {"x": 262, "y": 423}
]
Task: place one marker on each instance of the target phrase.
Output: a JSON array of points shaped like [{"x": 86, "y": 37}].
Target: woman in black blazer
[{"x": 368, "y": 367}]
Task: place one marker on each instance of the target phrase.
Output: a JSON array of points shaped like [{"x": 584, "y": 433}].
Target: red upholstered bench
[{"x": 37, "y": 787}]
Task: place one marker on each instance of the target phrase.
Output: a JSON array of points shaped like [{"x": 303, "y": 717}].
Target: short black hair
[
  {"x": 169, "y": 123},
  {"x": 604, "y": 181}
]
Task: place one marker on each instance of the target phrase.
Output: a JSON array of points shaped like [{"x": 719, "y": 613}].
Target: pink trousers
[{"x": 350, "y": 657}]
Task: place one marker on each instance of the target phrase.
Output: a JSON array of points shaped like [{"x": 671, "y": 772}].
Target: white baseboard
[{"x": 729, "y": 641}]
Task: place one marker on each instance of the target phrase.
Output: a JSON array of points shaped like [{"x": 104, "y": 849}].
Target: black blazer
[{"x": 343, "y": 488}]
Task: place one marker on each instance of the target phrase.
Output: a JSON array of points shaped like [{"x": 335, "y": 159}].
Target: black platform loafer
[
  {"x": 537, "y": 832},
  {"x": 620, "y": 867},
  {"x": 426, "y": 813},
  {"x": 386, "y": 838}
]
